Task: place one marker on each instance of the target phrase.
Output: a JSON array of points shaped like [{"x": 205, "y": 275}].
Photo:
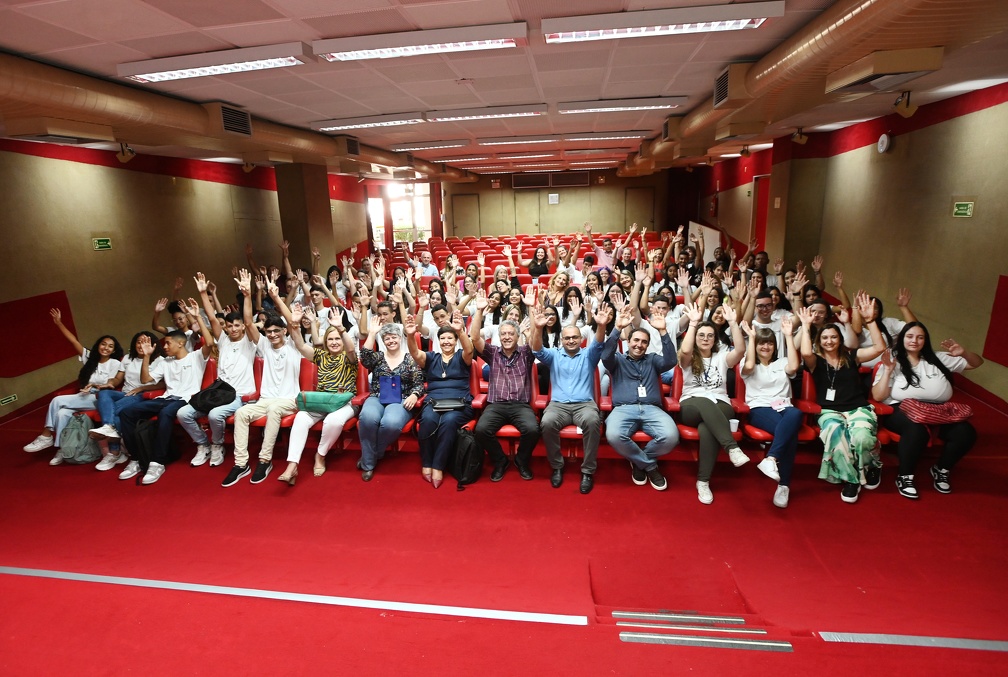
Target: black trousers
[
  {"x": 958, "y": 438},
  {"x": 497, "y": 415}
]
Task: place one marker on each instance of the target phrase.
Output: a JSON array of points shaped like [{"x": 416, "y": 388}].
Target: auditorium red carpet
[{"x": 885, "y": 565}]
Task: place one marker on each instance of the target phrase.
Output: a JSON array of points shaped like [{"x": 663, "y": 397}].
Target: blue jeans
[
  {"x": 164, "y": 409},
  {"x": 217, "y": 417},
  {"x": 379, "y": 425},
  {"x": 784, "y": 426},
  {"x": 111, "y": 402},
  {"x": 626, "y": 419}
]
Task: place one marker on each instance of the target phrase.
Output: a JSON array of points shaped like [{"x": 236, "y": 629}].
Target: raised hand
[
  {"x": 865, "y": 306},
  {"x": 575, "y": 307},
  {"x": 887, "y": 358},
  {"x": 952, "y": 347},
  {"x": 787, "y": 324},
  {"x": 694, "y": 312},
  {"x": 285, "y": 248},
  {"x": 297, "y": 312},
  {"x": 397, "y": 298},
  {"x": 178, "y": 286},
  {"x": 538, "y": 317},
  {"x": 657, "y": 320},
  {"x": 525, "y": 324},
  {"x": 729, "y": 314},
  {"x": 640, "y": 274},
  {"x": 410, "y": 325},
  {"x": 317, "y": 280},
  {"x": 309, "y": 312},
  {"x": 346, "y": 261},
  {"x": 201, "y": 283},
  {"x": 336, "y": 316},
  {"x": 315, "y": 253},
  {"x": 625, "y": 317},
  {"x": 457, "y": 323},
  {"x": 211, "y": 287},
  {"x": 604, "y": 315},
  {"x": 804, "y": 316},
  {"x": 56, "y": 315},
  {"x": 778, "y": 265},
  {"x": 633, "y": 228},
  {"x": 272, "y": 289},
  {"x": 160, "y": 305},
  {"x": 838, "y": 279},
  {"x": 844, "y": 316},
  {"x": 274, "y": 273},
  {"x": 146, "y": 349},
  {"x": 749, "y": 330},
  {"x": 817, "y": 263},
  {"x": 423, "y": 300},
  {"x": 799, "y": 267},
  {"x": 903, "y": 297},
  {"x": 587, "y": 226},
  {"x": 682, "y": 279},
  {"x": 451, "y": 294},
  {"x": 234, "y": 271},
  {"x": 191, "y": 308},
  {"x": 506, "y": 250},
  {"x": 798, "y": 283},
  {"x": 531, "y": 295},
  {"x": 481, "y": 260},
  {"x": 481, "y": 300},
  {"x": 244, "y": 281},
  {"x": 620, "y": 303},
  {"x": 353, "y": 250}
]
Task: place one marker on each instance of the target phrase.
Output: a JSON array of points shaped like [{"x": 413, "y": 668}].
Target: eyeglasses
[
  {"x": 763, "y": 306},
  {"x": 274, "y": 331},
  {"x": 571, "y": 338}
]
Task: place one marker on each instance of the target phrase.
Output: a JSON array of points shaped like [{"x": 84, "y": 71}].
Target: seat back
[{"x": 209, "y": 374}]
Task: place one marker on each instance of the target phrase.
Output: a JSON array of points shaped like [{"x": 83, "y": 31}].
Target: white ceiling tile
[
  {"x": 360, "y": 23},
  {"x": 504, "y": 63},
  {"x": 94, "y": 18},
  {"x": 223, "y": 13},
  {"x": 309, "y": 8},
  {"x": 27, "y": 35},
  {"x": 158, "y": 46},
  {"x": 447, "y": 14},
  {"x": 591, "y": 78},
  {"x": 263, "y": 33},
  {"x": 99, "y": 59}
]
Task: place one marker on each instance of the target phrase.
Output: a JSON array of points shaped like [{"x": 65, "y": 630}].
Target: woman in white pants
[
  {"x": 337, "y": 373},
  {"x": 99, "y": 366}
]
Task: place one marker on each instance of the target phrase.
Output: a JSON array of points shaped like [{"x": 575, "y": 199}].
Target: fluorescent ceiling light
[
  {"x": 431, "y": 145},
  {"x": 596, "y": 163},
  {"x": 368, "y": 122},
  {"x": 619, "y": 105},
  {"x": 606, "y": 136},
  {"x": 596, "y": 151},
  {"x": 473, "y": 158},
  {"x": 414, "y": 43},
  {"x": 525, "y": 156},
  {"x": 517, "y": 140},
  {"x": 491, "y": 113},
  {"x": 730, "y": 155},
  {"x": 217, "y": 63},
  {"x": 660, "y": 22}
]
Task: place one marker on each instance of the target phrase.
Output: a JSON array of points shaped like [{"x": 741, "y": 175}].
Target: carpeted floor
[{"x": 884, "y": 565}]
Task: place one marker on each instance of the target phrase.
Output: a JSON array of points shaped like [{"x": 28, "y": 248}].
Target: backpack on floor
[
  {"x": 75, "y": 444},
  {"x": 146, "y": 443},
  {"x": 466, "y": 461}
]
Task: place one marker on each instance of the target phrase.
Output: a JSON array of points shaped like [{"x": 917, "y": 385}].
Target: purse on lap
[
  {"x": 390, "y": 389},
  {"x": 935, "y": 413},
  {"x": 448, "y": 404},
  {"x": 317, "y": 402}
]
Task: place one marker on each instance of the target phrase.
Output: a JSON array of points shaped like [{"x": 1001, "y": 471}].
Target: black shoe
[
  {"x": 905, "y": 486},
  {"x": 850, "y": 491},
  {"x": 261, "y": 472},
  {"x": 941, "y": 480},
  {"x": 656, "y": 479},
  {"x": 237, "y": 472},
  {"x": 556, "y": 479},
  {"x": 524, "y": 471},
  {"x": 873, "y": 476},
  {"x": 366, "y": 475},
  {"x": 639, "y": 476},
  {"x": 587, "y": 482},
  {"x": 498, "y": 472}
]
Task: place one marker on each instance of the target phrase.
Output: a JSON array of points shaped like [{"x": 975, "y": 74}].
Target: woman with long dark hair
[
  {"x": 100, "y": 364},
  {"x": 913, "y": 370},
  {"x": 848, "y": 424}
]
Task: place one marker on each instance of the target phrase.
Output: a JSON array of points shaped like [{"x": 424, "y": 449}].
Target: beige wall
[
  {"x": 887, "y": 223},
  {"x": 161, "y": 227},
  {"x": 506, "y": 211}
]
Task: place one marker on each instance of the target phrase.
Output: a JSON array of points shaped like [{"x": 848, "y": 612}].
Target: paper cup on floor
[{"x": 733, "y": 422}]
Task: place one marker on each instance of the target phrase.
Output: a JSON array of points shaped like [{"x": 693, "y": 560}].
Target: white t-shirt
[
  {"x": 934, "y": 387},
  {"x": 710, "y": 382},
  {"x": 892, "y": 325},
  {"x": 768, "y": 385},
  {"x": 774, "y": 325},
  {"x": 234, "y": 363},
  {"x": 281, "y": 369},
  {"x": 655, "y": 346},
  {"x": 130, "y": 369},
  {"x": 104, "y": 371},
  {"x": 183, "y": 378}
]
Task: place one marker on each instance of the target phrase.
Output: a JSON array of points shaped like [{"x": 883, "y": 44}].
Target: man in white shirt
[
  {"x": 236, "y": 351},
  {"x": 277, "y": 396},
  {"x": 183, "y": 376}
]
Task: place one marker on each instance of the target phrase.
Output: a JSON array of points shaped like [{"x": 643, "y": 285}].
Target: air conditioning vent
[
  {"x": 534, "y": 180},
  {"x": 236, "y": 121},
  {"x": 729, "y": 87},
  {"x": 569, "y": 179},
  {"x": 352, "y": 146},
  {"x": 885, "y": 70}
]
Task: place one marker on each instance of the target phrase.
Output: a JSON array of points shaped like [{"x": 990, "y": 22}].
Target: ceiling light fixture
[
  {"x": 525, "y": 156},
  {"x": 431, "y": 145},
  {"x": 471, "y": 158},
  {"x": 518, "y": 140},
  {"x": 217, "y": 63},
  {"x": 606, "y": 136},
  {"x": 414, "y": 43},
  {"x": 369, "y": 122},
  {"x": 649, "y": 23},
  {"x": 621, "y": 105},
  {"x": 903, "y": 106},
  {"x": 125, "y": 153},
  {"x": 490, "y": 113},
  {"x": 745, "y": 151},
  {"x": 799, "y": 138}
]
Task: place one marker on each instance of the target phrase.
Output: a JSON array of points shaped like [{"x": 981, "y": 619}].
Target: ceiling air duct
[
  {"x": 885, "y": 71},
  {"x": 51, "y": 130},
  {"x": 729, "y": 87}
]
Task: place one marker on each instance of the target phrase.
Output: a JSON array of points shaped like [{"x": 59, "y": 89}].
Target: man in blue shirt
[
  {"x": 572, "y": 401},
  {"x": 636, "y": 396},
  {"x": 425, "y": 266}
]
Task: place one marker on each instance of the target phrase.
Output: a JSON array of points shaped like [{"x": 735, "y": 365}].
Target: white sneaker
[
  {"x": 202, "y": 453},
  {"x": 768, "y": 466},
  {"x": 780, "y": 497},
  {"x": 704, "y": 492},
  {"x": 132, "y": 469},
  {"x": 107, "y": 431},
  {"x": 216, "y": 455},
  {"x": 39, "y": 443},
  {"x": 737, "y": 457},
  {"x": 57, "y": 459},
  {"x": 111, "y": 460},
  {"x": 154, "y": 472}
]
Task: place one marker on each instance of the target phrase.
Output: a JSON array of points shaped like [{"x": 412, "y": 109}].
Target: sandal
[{"x": 320, "y": 468}]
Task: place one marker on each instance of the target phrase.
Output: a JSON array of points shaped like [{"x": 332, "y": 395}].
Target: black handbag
[
  {"x": 448, "y": 404},
  {"x": 217, "y": 394}
]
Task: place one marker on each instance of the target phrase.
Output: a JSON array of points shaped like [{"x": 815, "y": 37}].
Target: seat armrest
[{"x": 808, "y": 407}]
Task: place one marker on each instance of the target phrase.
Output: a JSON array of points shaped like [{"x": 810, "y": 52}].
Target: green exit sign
[
  {"x": 101, "y": 243},
  {"x": 963, "y": 210}
]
